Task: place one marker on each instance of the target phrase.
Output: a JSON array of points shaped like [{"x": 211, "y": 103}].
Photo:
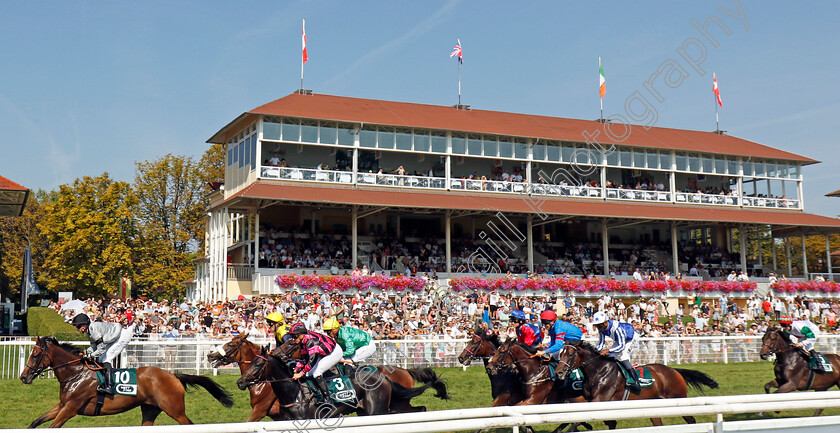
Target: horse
[
  {"x": 604, "y": 381},
  {"x": 505, "y": 386},
  {"x": 263, "y": 400},
  {"x": 376, "y": 394},
  {"x": 157, "y": 390},
  {"x": 791, "y": 367}
]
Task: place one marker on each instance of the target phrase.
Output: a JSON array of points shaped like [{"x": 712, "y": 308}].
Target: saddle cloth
[{"x": 124, "y": 380}]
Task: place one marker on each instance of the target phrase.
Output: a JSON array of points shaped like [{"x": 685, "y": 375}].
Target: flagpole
[
  {"x": 602, "y": 108},
  {"x": 459, "y": 83},
  {"x": 301, "y": 73}
]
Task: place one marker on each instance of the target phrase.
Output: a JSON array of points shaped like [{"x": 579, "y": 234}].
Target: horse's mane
[
  {"x": 492, "y": 338},
  {"x": 591, "y": 348},
  {"x": 69, "y": 347},
  {"x": 785, "y": 336}
]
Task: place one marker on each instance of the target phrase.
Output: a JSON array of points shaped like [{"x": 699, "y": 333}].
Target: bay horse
[
  {"x": 791, "y": 366},
  {"x": 375, "y": 393},
  {"x": 263, "y": 400},
  {"x": 604, "y": 381},
  {"x": 505, "y": 385},
  {"x": 157, "y": 390}
]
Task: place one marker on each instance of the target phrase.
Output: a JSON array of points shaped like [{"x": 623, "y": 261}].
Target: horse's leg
[
  {"x": 690, "y": 420},
  {"x": 770, "y": 385},
  {"x": 656, "y": 421},
  {"x": 67, "y": 411},
  {"x": 611, "y": 424},
  {"x": 49, "y": 415},
  {"x": 176, "y": 410},
  {"x": 260, "y": 410},
  {"x": 150, "y": 413}
]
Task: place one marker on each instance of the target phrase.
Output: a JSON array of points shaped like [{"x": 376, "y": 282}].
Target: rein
[{"x": 42, "y": 370}]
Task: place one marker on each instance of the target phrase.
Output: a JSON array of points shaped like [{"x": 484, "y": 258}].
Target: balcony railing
[{"x": 497, "y": 186}]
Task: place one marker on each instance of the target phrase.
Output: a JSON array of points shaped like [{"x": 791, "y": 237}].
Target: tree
[
  {"x": 14, "y": 233},
  {"x": 213, "y": 163},
  {"x": 170, "y": 221},
  {"x": 90, "y": 231}
]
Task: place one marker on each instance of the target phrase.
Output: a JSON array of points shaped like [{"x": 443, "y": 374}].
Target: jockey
[
  {"x": 107, "y": 341},
  {"x": 276, "y": 322},
  {"x": 806, "y": 333},
  {"x": 356, "y": 343},
  {"x": 621, "y": 333},
  {"x": 528, "y": 334},
  {"x": 319, "y": 353},
  {"x": 560, "y": 331}
]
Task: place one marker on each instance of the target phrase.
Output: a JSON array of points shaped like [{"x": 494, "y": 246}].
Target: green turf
[{"x": 470, "y": 388}]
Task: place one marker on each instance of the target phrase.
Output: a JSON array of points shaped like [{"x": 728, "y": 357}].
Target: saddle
[{"x": 645, "y": 378}]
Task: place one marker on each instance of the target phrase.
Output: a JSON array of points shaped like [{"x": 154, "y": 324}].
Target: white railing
[
  {"x": 638, "y": 195},
  {"x": 700, "y": 198},
  {"x": 566, "y": 190},
  {"x": 766, "y": 202},
  {"x": 403, "y": 181},
  {"x": 306, "y": 174},
  {"x": 190, "y": 355},
  {"x": 515, "y": 417}
]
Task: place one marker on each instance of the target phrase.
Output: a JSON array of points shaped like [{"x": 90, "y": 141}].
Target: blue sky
[{"x": 90, "y": 87}]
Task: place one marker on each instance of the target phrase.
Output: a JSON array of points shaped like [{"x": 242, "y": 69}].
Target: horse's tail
[
  {"x": 427, "y": 375},
  {"x": 212, "y": 387},
  {"x": 400, "y": 392},
  {"x": 697, "y": 379}
]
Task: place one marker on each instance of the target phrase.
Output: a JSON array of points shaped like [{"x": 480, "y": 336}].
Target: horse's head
[
  {"x": 289, "y": 350},
  {"x": 477, "y": 347},
  {"x": 257, "y": 371},
  {"x": 503, "y": 358},
  {"x": 773, "y": 342},
  {"x": 569, "y": 360},
  {"x": 229, "y": 352},
  {"x": 39, "y": 360}
]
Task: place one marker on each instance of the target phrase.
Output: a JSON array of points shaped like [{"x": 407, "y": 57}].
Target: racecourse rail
[
  {"x": 189, "y": 355},
  {"x": 517, "y": 416}
]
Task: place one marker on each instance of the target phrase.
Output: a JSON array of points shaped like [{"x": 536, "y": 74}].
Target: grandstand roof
[
  {"x": 12, "y": 198},
  {"x": 834, "y": 194},
  {"x": 402, "y": 114},
  {"x": 514, "y": 203}
]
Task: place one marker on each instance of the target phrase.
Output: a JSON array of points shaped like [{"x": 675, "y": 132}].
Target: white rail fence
[
  {"x": 190, "y": 355},
  {"x": 518, "y": 416}
]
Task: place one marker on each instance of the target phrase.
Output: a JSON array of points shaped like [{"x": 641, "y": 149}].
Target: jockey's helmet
[
  {"x": 599, "y": 317},
  {"x": 331, "y": 324}
]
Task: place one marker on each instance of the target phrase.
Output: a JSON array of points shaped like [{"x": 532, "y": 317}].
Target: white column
[
  {"x": 742, "y": 237},
  {"x": 828, "y": 257},
  {"x": 787, "y": 255},
  {"x": 773, "y": 250},
  {"x": 606, "y": 246},
  {"x": 354, "y": 242},
  {"x": 740, "y": 182},
  {"x": 355, "y": 163},
  {"x": 800, "y": 191},
  {"x": 528, "y": 165},
  {"x": 674, "y": 248},
  {"x": 448, "y": 234},
  {"x": 760, "y": 251},
  {"x": 448, "y": 160},
  {"x": 804, "y": 259},
  {"x": 530, "y": 226},
  {"x": 672, "y": 177}
]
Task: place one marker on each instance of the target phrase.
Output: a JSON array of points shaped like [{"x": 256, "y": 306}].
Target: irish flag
[{"x": 603, "y": 84}]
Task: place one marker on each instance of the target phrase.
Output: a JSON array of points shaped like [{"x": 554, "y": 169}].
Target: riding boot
[
  {"x": 107, "y": 385},
  {"x": 635, "y": 387},
  {"x": 349, "y": 368},
  {"x": 816, "y": 361},
  {"x": 321, "y": 383}
]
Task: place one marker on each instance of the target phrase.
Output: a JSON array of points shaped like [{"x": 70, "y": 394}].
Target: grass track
[{"x": 470, "y": 388}]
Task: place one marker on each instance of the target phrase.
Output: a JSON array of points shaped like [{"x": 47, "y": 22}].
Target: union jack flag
[{"x": 457, "y": 52}]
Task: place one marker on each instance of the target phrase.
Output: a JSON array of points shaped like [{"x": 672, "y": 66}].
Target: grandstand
[{"x": 325, "y": 184}]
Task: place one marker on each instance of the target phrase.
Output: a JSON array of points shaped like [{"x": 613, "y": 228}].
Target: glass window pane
[
  {"x": 759, "y": 169},
  {"x": 385, "y": 139},
  {"x": 771, "y": 169},
  {"x": 241, "y": 150},
  {"x": 291, "y": 131},
  {"x": 490, "y": 147},
  {"x": 474, "y": 146},
  {"x": 520, "y": 150},
  {"x": 733, "y": 167},
  {"x": 309, "y": 134},
  {"x": 720, "y": 166},
  {"x": 367, "y": 138},
  {"x": 422, "y": 142},
  {"x": 230, "y": 160},
  {"x": 568, "y": 152},
  {"x": 271, "y": 130},
  {"x": 403, "y": 141},
  {"x": 748, "y": 169},
  {"x": 345, "y": 136},
  {"x": 794, "y": 171},
  {"x": 682, "y": 162},
  {"x": 665, "y": 161},
  {"x": 708, "y": 166},
  {"x": 625, "y": 158},
  {"x": 612, "y": 158},
  {"x": 253, "y": 151},
  {"x": 505, "y": 149},
  {"x": 553, "y": 153},
  {"x": 327, "y": 135},
  {"x": 638, "y": 159},
  {"x": 693, "y": 163},
  {"x": 539, "y": 152},
  {"x": 459, "y": 145},
  {"x": 439, "y": 143},
  {"x": 652, "y": 160},
  {"x": 585, "y": 156}
]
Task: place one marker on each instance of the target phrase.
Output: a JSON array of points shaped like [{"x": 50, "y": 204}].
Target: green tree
[
  {"x": 213, "y": 163},
  {"x": 170, "y": 220},
  {"x": 14, "y": 233},
  {"x": 90, "y": 230}
]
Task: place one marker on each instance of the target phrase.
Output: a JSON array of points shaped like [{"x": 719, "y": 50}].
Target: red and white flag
[
  {"x": 457, "y": 52},
  {"x": 303, "y": 42},
  {"x": 716, "y": 90}
]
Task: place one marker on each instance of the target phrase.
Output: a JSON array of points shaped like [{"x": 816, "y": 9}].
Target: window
[
  {"x": 367, "y": 138},
  {"x": 491, "y": 147},
  {"x": 682, "y": 162},
  {"x": 708, "y": 165},
  {"x": 720, "y": 166},
  {"x": 459, "y": 145},
  {"x": 346, "y": 136},
  {"x": 271, "y": 130},
  {"x": 612, "y": 157},
  {"x": 539, "y": 152},
  {"x": 553, "y": 153},
  {"x": 404, "y": 140},
  {"x": 759, "y": 169},
  {"x": 309, "y": 133},
  {"x": 385, "y": 139},
  {"x": 505, "y": 148},
  {"x": 568, "y": 152},
  {"x": 439, "y": 143},
  {"x": 327, "y": 134},
  {"x": 652, "y": 159},
  {"x": 474, "y": 146},
  {"x": 520, "y": 150},
  {"x": 291, "y": 131},
  {"x": 422, "y": 141},
  {"x": 625, "y": 158},
  {"x": 665, "y": 161}
]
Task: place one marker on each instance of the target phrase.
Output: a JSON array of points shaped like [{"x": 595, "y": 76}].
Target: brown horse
[
  {"x": 604, "y": 381},
  {"x": 375, "y": 393},
  {"x": 505, "y": 385},
  {"x": 157, "y": 390},
  {"x": 791, "y": 367},
  {"x": 263, "y": 400}
]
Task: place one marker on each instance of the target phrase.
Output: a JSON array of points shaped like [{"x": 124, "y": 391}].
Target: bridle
[
  {"x": 39, "y": 370},
  {"x": 477, "y": 339},
  {"x": 225, "y": 354}
]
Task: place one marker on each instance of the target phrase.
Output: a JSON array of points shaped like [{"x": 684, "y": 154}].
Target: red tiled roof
[
  {"x": 9, "y": 185},
  {"x": 518, "y": 204},
  {"x": 402, "y": 114}
]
